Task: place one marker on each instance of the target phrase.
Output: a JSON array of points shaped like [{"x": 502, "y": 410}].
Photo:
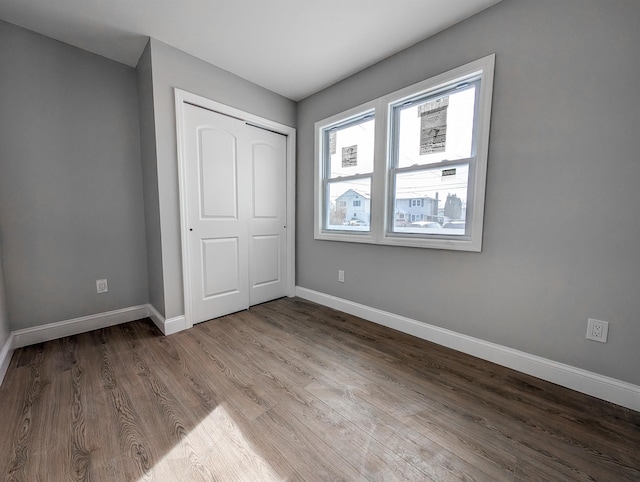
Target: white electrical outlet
[
  {"x": 341, "y": 275},
  {"x": 597, "y": 330},
  {"x": 102, "y": 286}
]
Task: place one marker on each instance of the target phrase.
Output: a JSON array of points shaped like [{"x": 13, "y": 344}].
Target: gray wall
[
  {"x": 71, "y": 207},
  {"x": 174, "y": 68},
  {"x": 561, "y": 221},
  {"x": 150, "y": 180},
  {"x": 5, "y": 329}
]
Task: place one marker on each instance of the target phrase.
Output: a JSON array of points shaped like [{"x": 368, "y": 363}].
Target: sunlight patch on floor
[{"x": 215, "y": 449}]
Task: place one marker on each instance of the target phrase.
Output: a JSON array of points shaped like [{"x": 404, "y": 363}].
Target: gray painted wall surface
[
  {"x": 561, "y": 222},
  {"x": 5, "y": 329},
  {"x": 174, "y": 68},
  {"x": 150, "y": 180},
  {"x": 71, "y": 208}
]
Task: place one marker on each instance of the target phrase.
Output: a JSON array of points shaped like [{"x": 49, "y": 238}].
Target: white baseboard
[
  {"x": 75, "y": 326},
  {"x": 174, "y": 325},
  {"x": 600, "y": 386},
  {"x": 156, "y": 317},
  {"x": 5, "y": 356},
  {"x": 167, "y": 327}
]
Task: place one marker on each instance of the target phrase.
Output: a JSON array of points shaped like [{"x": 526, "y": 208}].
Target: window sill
[{"x": 463, "y": 244}]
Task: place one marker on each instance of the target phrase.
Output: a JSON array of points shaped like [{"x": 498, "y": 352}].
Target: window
[
  {"x": 347, "y": 171},
  {"x": 412, "y": 163}
]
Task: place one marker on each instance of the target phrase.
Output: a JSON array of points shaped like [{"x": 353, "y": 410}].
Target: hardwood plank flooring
[{"x": 291, "y": 390}]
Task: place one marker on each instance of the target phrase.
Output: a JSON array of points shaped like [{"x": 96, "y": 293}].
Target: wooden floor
[{"x": 290, "y": 390}]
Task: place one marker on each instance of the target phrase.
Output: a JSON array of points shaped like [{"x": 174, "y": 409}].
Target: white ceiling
[{"x": 292, "y": 47}]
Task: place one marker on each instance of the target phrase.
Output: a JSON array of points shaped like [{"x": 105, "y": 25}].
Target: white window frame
[{"x": 381, "y": 206}]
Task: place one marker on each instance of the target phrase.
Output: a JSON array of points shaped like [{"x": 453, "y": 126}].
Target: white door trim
[{"x": 181, "y": 97}]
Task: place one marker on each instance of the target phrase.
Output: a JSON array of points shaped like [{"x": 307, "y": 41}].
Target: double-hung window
[
  {"x": 347, "y": 173},
  {"x": 409, "y": 168}
]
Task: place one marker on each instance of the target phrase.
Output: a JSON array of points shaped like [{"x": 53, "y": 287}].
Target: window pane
[
  {"x": 431, "y": 201},
  {"x": 349, "y": 205},
  {"x": 350, "y": 148},
  {"x": 436, "y": 128}
]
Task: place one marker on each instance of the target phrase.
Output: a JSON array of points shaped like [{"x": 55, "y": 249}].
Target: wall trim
[
  {"x": 174, "y": 325},
  {"x": 599, "y": 386},
  {"x": 75, "y": 326},
  {"x": 156, "y": 317},
  {"x": 167, "y": 327},
  {"x": 5, "y": 356}
]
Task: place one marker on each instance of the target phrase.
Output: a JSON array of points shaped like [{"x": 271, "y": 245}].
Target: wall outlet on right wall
[{"x": 597, "y": 330}]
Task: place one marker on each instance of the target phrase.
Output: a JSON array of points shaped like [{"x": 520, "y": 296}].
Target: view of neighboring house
[
  {"x": 414, "y": 207},
  {"x": 351, "y": 208}
]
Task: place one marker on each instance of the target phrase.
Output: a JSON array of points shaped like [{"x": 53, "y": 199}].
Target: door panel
[
  {"x": 220, "y": 267},
  {"x": 266, "y": 170},
  {"x": 266, "y": 268},
  {"x": 218, "y": 173}
]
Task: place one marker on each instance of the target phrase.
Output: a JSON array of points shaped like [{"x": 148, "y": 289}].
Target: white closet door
[
  {"x": 267, "y": 245},
  {"x": 235, "y": 186}
]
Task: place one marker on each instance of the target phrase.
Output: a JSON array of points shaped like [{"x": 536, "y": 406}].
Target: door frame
[{"x": 182, "y": 97}]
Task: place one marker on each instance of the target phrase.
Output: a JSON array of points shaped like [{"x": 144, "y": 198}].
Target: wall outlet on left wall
[
  {"x": 597, "y": 330},
  {"x": 102, "y": 286}
]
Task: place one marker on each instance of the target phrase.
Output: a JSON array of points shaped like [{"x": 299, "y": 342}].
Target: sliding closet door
[
  {"x": 267, "y": 245},
  {"x": 235, "y": 183}
]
